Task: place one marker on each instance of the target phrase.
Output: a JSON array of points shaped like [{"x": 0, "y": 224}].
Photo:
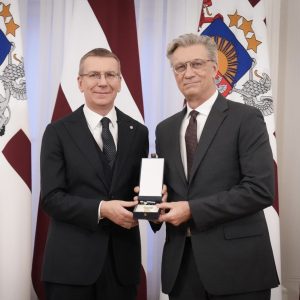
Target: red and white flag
[
  {"x": 92, "y": 24},
  {"x": 15, "y": 161},
  {"x": 239, "y": 29}
]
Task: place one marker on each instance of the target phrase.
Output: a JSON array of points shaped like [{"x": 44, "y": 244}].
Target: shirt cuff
[{"x": 99, "y": 211}]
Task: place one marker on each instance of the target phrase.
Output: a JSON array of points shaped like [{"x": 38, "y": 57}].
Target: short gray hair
[
  {"x": 191, "y": 39},
  {"x": 98, "y": 52}
]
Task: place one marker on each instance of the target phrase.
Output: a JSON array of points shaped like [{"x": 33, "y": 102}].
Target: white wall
[{"x": 288, "y": 132}]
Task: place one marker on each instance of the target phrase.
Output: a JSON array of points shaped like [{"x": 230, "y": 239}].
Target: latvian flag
[
  {"x": 92, "y": 24},
  {"x": 239, "y": 29},
  {"x": 15, "y": 161}
]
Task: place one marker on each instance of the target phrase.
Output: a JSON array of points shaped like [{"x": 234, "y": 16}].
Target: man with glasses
[
  {"x": 220, "y": 176},
  {"x": 90, "y": 162}
]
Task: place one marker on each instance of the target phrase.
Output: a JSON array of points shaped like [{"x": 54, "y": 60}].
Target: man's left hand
[{"x": 176, "y": 213}]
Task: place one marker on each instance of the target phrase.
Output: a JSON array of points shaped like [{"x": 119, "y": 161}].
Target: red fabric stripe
[
  {"x": 117, "y": 19},
  {"x": 38, "y": 253},
  {"x": 61, "y": 109},
  {"x": 142, "y": 290},
  {"x": 254, "y": 2},
  {"x": 18, "y": 153}
]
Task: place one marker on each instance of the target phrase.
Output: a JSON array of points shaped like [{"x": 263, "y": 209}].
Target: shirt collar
[
  {"x": 94, "y": 118},
  {"x": 205, "y": 107}
]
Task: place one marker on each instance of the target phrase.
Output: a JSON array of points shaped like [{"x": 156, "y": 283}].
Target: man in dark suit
[
  {"x": 90, "y": 162},
  {"x": 220, "y": 176}
]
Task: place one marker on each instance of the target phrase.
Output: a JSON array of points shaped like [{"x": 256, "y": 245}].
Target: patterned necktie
[
  {"x": 191, "y": 140},
  {"x": 109, "y": 147}
]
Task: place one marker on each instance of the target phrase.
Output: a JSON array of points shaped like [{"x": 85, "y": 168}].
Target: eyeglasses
[
  {"x": 196, "y": 64},
  {"x": 109, "y": 76}
]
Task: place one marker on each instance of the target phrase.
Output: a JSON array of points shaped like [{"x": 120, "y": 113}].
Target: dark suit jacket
[
  {"x": 72, "y": 184},
  {"x": 232, "y": 181}
]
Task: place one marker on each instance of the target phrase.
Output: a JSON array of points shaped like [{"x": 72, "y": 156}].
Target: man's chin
[
  {"x": 191, "y": 87},
  {"x": 103, "y": 98},
  {"x": 190, "y": 92}
]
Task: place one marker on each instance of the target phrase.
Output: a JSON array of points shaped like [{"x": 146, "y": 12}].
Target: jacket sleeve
[
  {"x": 56, "y": 198},
  {"x": 254, "y": 170}
]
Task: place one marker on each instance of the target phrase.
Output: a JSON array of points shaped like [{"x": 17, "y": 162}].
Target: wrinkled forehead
[{"x": 188, "y": 53}]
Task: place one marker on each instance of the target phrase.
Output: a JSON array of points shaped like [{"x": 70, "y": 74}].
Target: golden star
[
  {"x": 253, "y": 43},
  {"x": 246, "y": 26},
  {"x": 11, "y": 27},
  {"x": 5, "y": 11},
  {"x": 234, "y": 19}
]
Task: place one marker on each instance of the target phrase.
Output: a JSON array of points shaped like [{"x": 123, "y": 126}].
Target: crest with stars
[
  {"x": 236, "y": 34},
  {"x": 12, "y": 75}
]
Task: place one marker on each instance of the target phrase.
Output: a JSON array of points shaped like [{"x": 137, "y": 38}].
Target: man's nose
[
  {"x": 189, "y": 72},
  {"x": 102, "y": 80}
]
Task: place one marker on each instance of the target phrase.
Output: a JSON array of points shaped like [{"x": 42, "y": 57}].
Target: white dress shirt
[
  {"x": 94, "y": 123},
  {"x": 204, "y": 110}
]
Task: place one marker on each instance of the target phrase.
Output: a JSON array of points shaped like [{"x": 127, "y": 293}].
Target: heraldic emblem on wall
[
  {"x": 237, "y": 52},
  {"x": 12, "y": 75}
]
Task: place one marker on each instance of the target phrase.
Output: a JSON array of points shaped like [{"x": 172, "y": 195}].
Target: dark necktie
[
  {"x": 191, "y": 140},
  {"x": 109, "y": 147}
]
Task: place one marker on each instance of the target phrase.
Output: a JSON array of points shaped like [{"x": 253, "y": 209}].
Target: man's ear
[
  {"x": 120, "y": 84},
  {"x": 79, "y": 82},
  {"x": 216, "y": 68}
]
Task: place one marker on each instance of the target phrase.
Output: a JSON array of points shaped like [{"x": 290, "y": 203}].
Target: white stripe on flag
[
  {"x": 79, "y": 42},
  {"x": 15, "y": 193}
]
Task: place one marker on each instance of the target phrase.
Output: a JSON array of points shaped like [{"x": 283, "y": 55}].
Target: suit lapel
[
  {"x": 126, "y": 133},
  {"x": 217, "y": 115},
  {"x": 176, "y": 152},
  {"x": 78, "y": 129}
]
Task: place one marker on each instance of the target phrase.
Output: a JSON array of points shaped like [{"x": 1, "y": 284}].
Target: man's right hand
[{"x": 115, "y": 210}]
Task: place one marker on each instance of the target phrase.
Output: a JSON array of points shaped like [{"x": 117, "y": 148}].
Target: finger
[
  {"x": 136, "y": 189},
  {"x": 134, "y": 223},
  {"x": 164, "y": 205},
  {"x": 164, "y": 197},
  {"x": 164, "y": 189},
  {"x": 162, "y": 218},
  {"x": 127, "y": 226},
  {"x": 130, "y": 203},
  {"x": 131, "y": 224}
]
